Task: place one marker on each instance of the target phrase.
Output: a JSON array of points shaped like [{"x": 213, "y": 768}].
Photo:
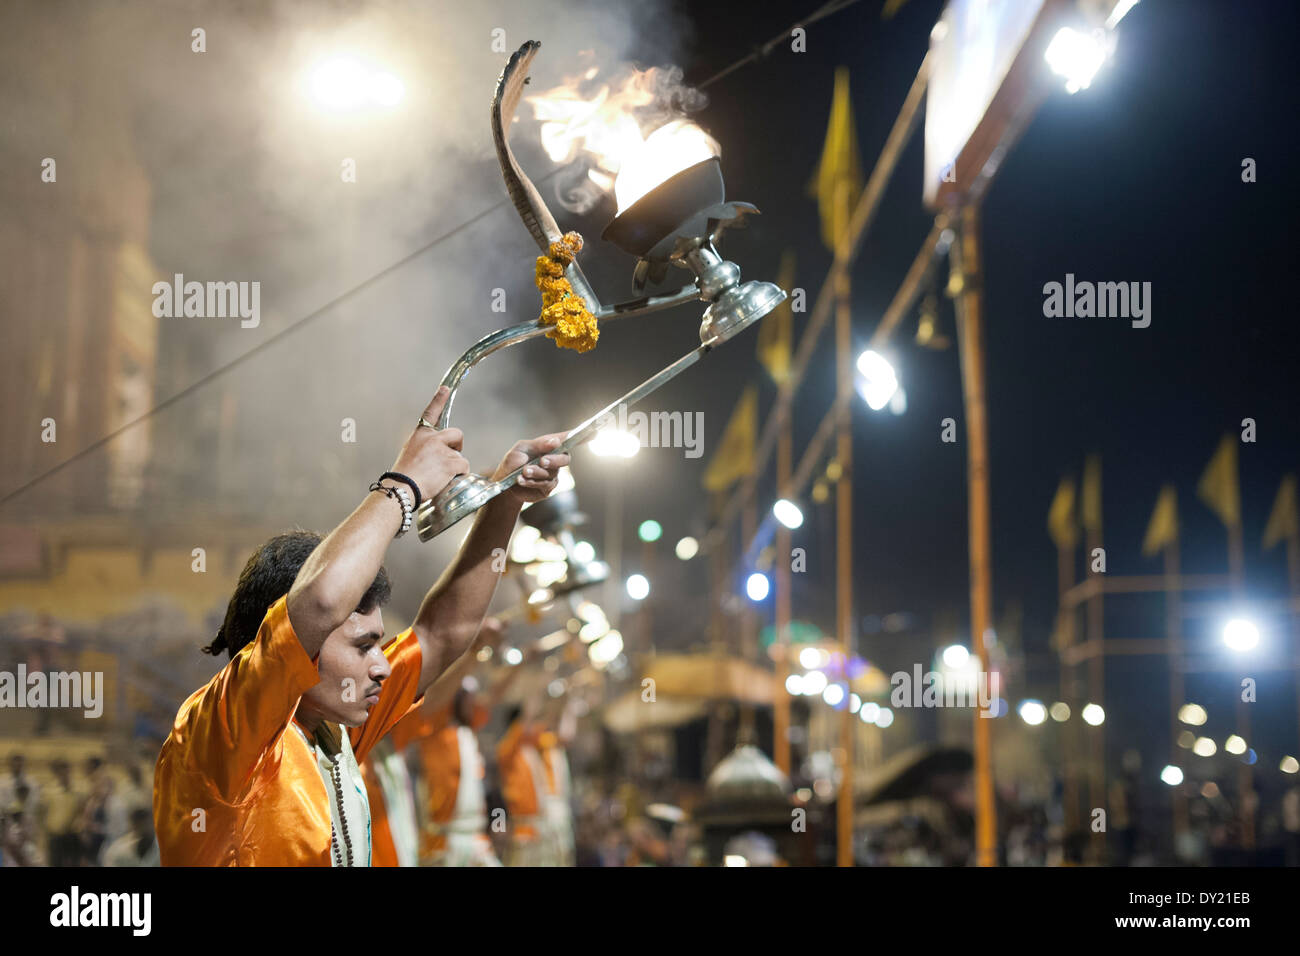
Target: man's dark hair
[{"x": 267, "y": 577}]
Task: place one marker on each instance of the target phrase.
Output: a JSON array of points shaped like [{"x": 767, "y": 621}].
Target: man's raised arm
[
  {"x": 454, "y": 608},
  {"x": 333, "y": 580}
]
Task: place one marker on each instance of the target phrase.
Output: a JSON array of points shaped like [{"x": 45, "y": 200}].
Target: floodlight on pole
[
  {"x": 877, "y": 381},
  {"x": 788, "y": 513},
  {"x": 1240, "y": 634}
]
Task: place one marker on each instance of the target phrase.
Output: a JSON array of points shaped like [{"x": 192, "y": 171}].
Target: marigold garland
[{"x": 574, "y": 325}]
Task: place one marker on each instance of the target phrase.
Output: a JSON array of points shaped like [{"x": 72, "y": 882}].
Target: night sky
[{"x": 1136, "y": 179}]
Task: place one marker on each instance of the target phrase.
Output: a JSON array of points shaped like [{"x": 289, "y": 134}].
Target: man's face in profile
[{"x": 352, "y": 669}]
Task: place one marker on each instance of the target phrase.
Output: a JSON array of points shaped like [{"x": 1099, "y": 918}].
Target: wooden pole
[
  {"x": 1096, "y": 618},
  {"x": 1177, "y": 690},
  {"x": 1245, "y": 772},
  {"x": 647, "y": 614},
  {"x": 748, "y": 631},
  {"x": 966, "y": 270},
  {"x": 717, "y": 628},
  {"x": 844, "y": 542},
  {"x": 1065, "y": 636},
  {"x": 1293, "y": 580},
  {"x": 781, "y": 641}
]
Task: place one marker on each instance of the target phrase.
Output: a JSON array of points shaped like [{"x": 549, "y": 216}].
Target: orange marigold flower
[{"x": 573, "y": 325}]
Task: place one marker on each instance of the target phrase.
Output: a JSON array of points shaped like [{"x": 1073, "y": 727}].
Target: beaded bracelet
[{"x": 403, "y": 498}]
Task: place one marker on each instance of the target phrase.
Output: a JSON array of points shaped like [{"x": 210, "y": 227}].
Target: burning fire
[{"x": 604, "y": 131}]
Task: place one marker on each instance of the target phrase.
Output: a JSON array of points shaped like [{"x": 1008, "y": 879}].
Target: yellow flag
[
  {"x": 1163, "y": 528},
  {"x": 1060, "y": 516},
  {"x": 1282, "y": 520},
  {"x": 735, "y": 455},
  {"x": 1218, "y": 487},
  {"x": 774, "y": 331},
  {"x": 837, "y": 183},
  {"x": 1092, "y": 493}
]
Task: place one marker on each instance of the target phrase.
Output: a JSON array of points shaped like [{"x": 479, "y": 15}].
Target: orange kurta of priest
[
  {"x": 518, "y": 785},
  {"x": 235, "y": 786}
]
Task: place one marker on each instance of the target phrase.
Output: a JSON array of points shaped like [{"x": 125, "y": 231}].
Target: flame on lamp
[
  {"x": 665, "y": 153},
  {"x": 604, "y": 130}
]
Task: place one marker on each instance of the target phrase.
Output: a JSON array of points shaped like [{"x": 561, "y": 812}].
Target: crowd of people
[{"x": 98, "y": 817}]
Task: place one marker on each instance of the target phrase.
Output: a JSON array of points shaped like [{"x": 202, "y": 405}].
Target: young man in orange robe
[
  {"x": 524, "y": 786},
  {"x": 261, "y": 766}
]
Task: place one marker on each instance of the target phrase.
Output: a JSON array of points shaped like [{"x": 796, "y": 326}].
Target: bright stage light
[
  {"x": 1193, "y": 714},
  {"x": 788, "y": 513},
  {"x": 687, "y": 548},
  {"x": 814, "y": 682},
  {"x": 813, "y": 657},
  {"x": 605, "y": 650},
  {"x": 1077, "y": 56},
  {"x": 343, "y": 83},
  {"x": 955, "y": 656},
  {"x": 614, "y": 443},
  {"x": 833, "y": 694},
  {"x": 1093, "y": 714},
  {"x": 1240, "y": 634},
  {"x": 1204, "y": 747},
  {"x": 1172, "y": 775},
  {"x": 869, "y": 712},
  {"x": 1289, "y": 765},
  {"x": 1235, "y": 745},
  {"x": 1032, "y": 712},
  {"x": 794, "y": 685},
  {"x": 650, "y": 531},
  {"x": 638, "y": 587},
  {"x": 1060, "y": 712},
  {"x": 386, "y": 89},
  {"x": 584, "y": 551},
  {"x": 878, "y": 381},
  {"x": 523, "y": 546},
  {"x": 756, "y": 586},
  {"x": 884, "y": 718}
]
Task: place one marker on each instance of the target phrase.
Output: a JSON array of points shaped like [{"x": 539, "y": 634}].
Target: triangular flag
[
  {"x": 1218, "y": 487},
  {"x": 774, "y": 331},
  {"x": 1060, "y": 516},
  {"x": 1091, "y": 505},
  {"x": 1163, "y": 528},
  {"x": 837, "y": 183},
  {"x": 735, "y": 455},
  {"x": 1282, "y": 520}
]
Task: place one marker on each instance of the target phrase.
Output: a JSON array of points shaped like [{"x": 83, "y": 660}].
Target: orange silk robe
[
  {"x": 517, "y": 781},
  {"x": 235, "y": 785},
  {"x": 439, "y": 743}
]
